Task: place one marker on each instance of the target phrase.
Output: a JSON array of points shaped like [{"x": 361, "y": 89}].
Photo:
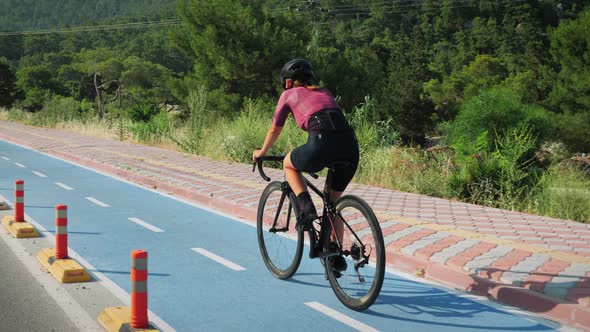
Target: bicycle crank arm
[{"x": 275, "y": 230}]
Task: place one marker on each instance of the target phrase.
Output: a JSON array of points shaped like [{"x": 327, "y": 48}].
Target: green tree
[
  {"x": 37, "y": 84},
  {"x": 482, "y": 73},
  {"x": 237, "y": 48},
  {"x": 7, "y": 84},
  {"x": 144, "y": 80},
  {"x": 401, "y": 98},
  {"x": 570, "y": 46}
]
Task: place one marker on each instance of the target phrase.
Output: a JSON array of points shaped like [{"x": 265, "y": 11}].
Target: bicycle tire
[
  {"x": 347, "y": 284},
  {"x": 275, "y": 246}
]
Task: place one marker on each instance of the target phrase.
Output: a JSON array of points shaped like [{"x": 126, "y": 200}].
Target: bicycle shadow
[
  {"x": 409, "y": 301},
  {"x": 419, "y": 300}
]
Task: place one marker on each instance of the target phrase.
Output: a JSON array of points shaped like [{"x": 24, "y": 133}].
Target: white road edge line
[
  {"x": 5, "y": 158},
  {"x": 146, "y": 225},
  {"x": 219, "y": 259},
  {"x": 59, "y": 184},
  {"x": 355, "y": 324},
  {"x": 78, "y": 316},
  {"x": 97, "y": 202},
  {"x": 20, "y": 165},
  {"x": 39, "y": 174},
  {"x": 119, "y": 292}
]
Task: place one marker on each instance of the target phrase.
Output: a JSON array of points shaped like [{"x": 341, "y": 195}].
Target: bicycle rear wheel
[
  {"x": 359, "y": 285},
  {"x": 280, "y": 245}
]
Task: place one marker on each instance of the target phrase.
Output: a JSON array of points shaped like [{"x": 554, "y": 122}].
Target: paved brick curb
[{"x": 457, "y": 257}]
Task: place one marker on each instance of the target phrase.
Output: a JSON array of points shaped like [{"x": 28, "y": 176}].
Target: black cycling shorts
[{"x": 326, "y": 144}]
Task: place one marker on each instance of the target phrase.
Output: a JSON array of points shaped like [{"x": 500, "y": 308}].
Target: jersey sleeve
[{"x": 282, "y": 111}]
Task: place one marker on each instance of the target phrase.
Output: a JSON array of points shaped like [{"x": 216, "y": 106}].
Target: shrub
[
  {"x": 492, "y": 114},
  {"x": 155, "y": 131},
  {"x": 190, "y": 136},
  {"x": 503, "y": 177}
]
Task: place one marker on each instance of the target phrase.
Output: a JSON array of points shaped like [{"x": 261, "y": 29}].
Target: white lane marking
[
  {"x": 218, "y": 259},
  {"x": 119, "y": 292},
  {"x": 64, "y": 186},
  {"x": 146, "y": 225},
  {"x": 355, "y": 324},
  {"x": 39, "y": 174},
  {"x": 97, "y": 202},
  {"x": 5, "y": 158},
  {"x": 20, "y": 165}
]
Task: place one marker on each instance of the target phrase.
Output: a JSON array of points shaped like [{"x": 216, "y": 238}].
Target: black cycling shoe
[
  {"x": 307, "y": 212},
  {"x": 339, "y": 264},
  {"x": 305, "y": 221}
]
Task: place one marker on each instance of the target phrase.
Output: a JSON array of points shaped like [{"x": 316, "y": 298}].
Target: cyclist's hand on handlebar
[{"x": 257, "y": 154}]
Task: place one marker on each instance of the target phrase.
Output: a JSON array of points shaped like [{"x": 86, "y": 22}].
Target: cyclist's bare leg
[
  {"x": 338, "y": 224},
  {"x": 293, "y": 176}
]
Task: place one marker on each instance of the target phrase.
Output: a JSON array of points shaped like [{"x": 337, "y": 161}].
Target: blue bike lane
[{"x": 190, "y": 291}]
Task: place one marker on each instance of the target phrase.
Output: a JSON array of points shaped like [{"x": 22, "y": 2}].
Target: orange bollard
[
  {"x": 139, "y": 273},
  {"x": 61, "y": 231},
  {"x": 19, "y": 201}
]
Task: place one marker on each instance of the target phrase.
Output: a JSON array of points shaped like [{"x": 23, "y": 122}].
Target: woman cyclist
[{"x": 330, "y": 139}]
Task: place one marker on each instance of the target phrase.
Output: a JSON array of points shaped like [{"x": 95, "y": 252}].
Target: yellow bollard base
[
  {"x": 115, "y": 319},
  {"x": 19, "y": 229},
  {"x": 4, "y": 206},
  {"x": 64, "y": 270}
]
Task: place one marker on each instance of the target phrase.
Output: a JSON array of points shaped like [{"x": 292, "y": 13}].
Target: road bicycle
[{"x": 357, "y": 238}]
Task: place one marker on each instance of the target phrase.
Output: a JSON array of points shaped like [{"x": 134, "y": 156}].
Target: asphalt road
[
  {"x": 190, "y": 291},
  {"x": 25, "y": 304}
]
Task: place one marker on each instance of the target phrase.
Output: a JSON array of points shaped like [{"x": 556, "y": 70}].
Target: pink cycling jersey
[{"x": 303, "y": 103}]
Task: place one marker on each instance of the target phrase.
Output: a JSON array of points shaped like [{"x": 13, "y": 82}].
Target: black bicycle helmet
[{"x": 297, "y": 69}]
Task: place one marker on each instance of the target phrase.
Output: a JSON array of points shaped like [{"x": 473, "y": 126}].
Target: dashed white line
[
  {"x": 39, "y": 174},
  {"x": 355, "y": 324},
  {"x": 146, "y": 225},
  {"x": 20, "y": 165},
  {"x": 64, "y": 186},
  {"x": 218, "y": 259},
  {"x": 5, "y": 158},
  {"x": 97, "y": 202}
]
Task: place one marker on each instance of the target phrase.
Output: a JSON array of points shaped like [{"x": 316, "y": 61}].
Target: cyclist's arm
[{"x": 271, "y": 136}]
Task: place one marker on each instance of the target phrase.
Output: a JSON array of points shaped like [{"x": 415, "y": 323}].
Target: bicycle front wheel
[
  {"x": 358, "y": 286},
  {"x": 280, "y": 245}
]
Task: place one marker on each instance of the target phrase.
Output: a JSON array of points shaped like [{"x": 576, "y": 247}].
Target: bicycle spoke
[
  {"x": 281, "y": 247},
  {"x": 362, "y": 246}
]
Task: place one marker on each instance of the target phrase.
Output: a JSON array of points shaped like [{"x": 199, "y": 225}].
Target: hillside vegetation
[{"x": 502, "y": 86}]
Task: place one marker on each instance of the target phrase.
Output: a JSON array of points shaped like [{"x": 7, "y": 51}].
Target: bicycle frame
[{"x": 328, "y": 213}]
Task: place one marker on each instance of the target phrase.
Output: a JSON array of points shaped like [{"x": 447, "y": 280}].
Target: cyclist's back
[{"x": 330, "y": 136}]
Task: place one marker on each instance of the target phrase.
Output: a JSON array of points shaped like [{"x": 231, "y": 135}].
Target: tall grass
[
  {"x": 406, "y": 169},
  {"x": 236, "y": 138},
  {"x": 563, "y": 192}
]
